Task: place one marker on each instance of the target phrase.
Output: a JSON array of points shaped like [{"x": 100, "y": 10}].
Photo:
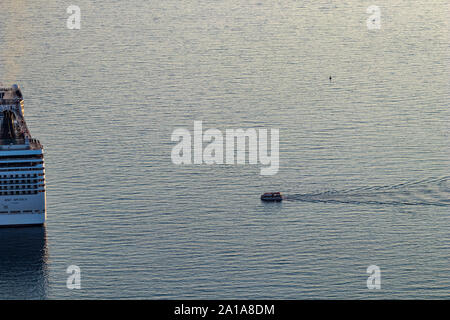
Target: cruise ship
[{"x": 22, "y": 174}]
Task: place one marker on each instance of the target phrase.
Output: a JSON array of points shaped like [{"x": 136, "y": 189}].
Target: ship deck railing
[{"x": 17, "y": 144}]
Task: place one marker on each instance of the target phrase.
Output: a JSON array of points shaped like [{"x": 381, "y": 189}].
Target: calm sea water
[{"x": 364, "y": 157}]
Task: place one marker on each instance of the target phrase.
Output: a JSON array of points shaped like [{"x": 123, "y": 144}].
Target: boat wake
[{"x": 427, "y": 192}]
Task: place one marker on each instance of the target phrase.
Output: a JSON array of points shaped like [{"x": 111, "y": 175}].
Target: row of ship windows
[
  {"x": 26, "y": 169},
  {"x": 6, "y": 193},
  {"x": 20, "y": 164},
  {"x": 21, "y": 187},
  {"x": 23, "y": 156},
  {"x": 21, "y": 211},
  {"x": 20, "y": 181},
  {"x": 11, "y": 176}
]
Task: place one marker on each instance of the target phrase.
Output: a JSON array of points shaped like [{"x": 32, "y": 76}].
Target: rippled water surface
[{"x": 364, "y": 158}]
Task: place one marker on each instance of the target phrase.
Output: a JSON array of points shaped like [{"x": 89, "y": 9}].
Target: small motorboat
[{"x": 272, "y": 196}]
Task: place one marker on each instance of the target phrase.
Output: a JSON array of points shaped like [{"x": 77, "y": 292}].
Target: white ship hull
[
  {"x": 22, "y": 220},
  {"x": 22, "y": 189},
  {"x": 22, "y": 173},
  {"x": 22, "y": 210}
]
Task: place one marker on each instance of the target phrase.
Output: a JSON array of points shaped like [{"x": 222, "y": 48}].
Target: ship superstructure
[{"x": 22, "y": 173}]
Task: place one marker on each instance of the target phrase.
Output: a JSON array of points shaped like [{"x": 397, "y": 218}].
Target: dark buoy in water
[
  {"x": 330, "y": 78},
  {"x": 272, "y": 196}
]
